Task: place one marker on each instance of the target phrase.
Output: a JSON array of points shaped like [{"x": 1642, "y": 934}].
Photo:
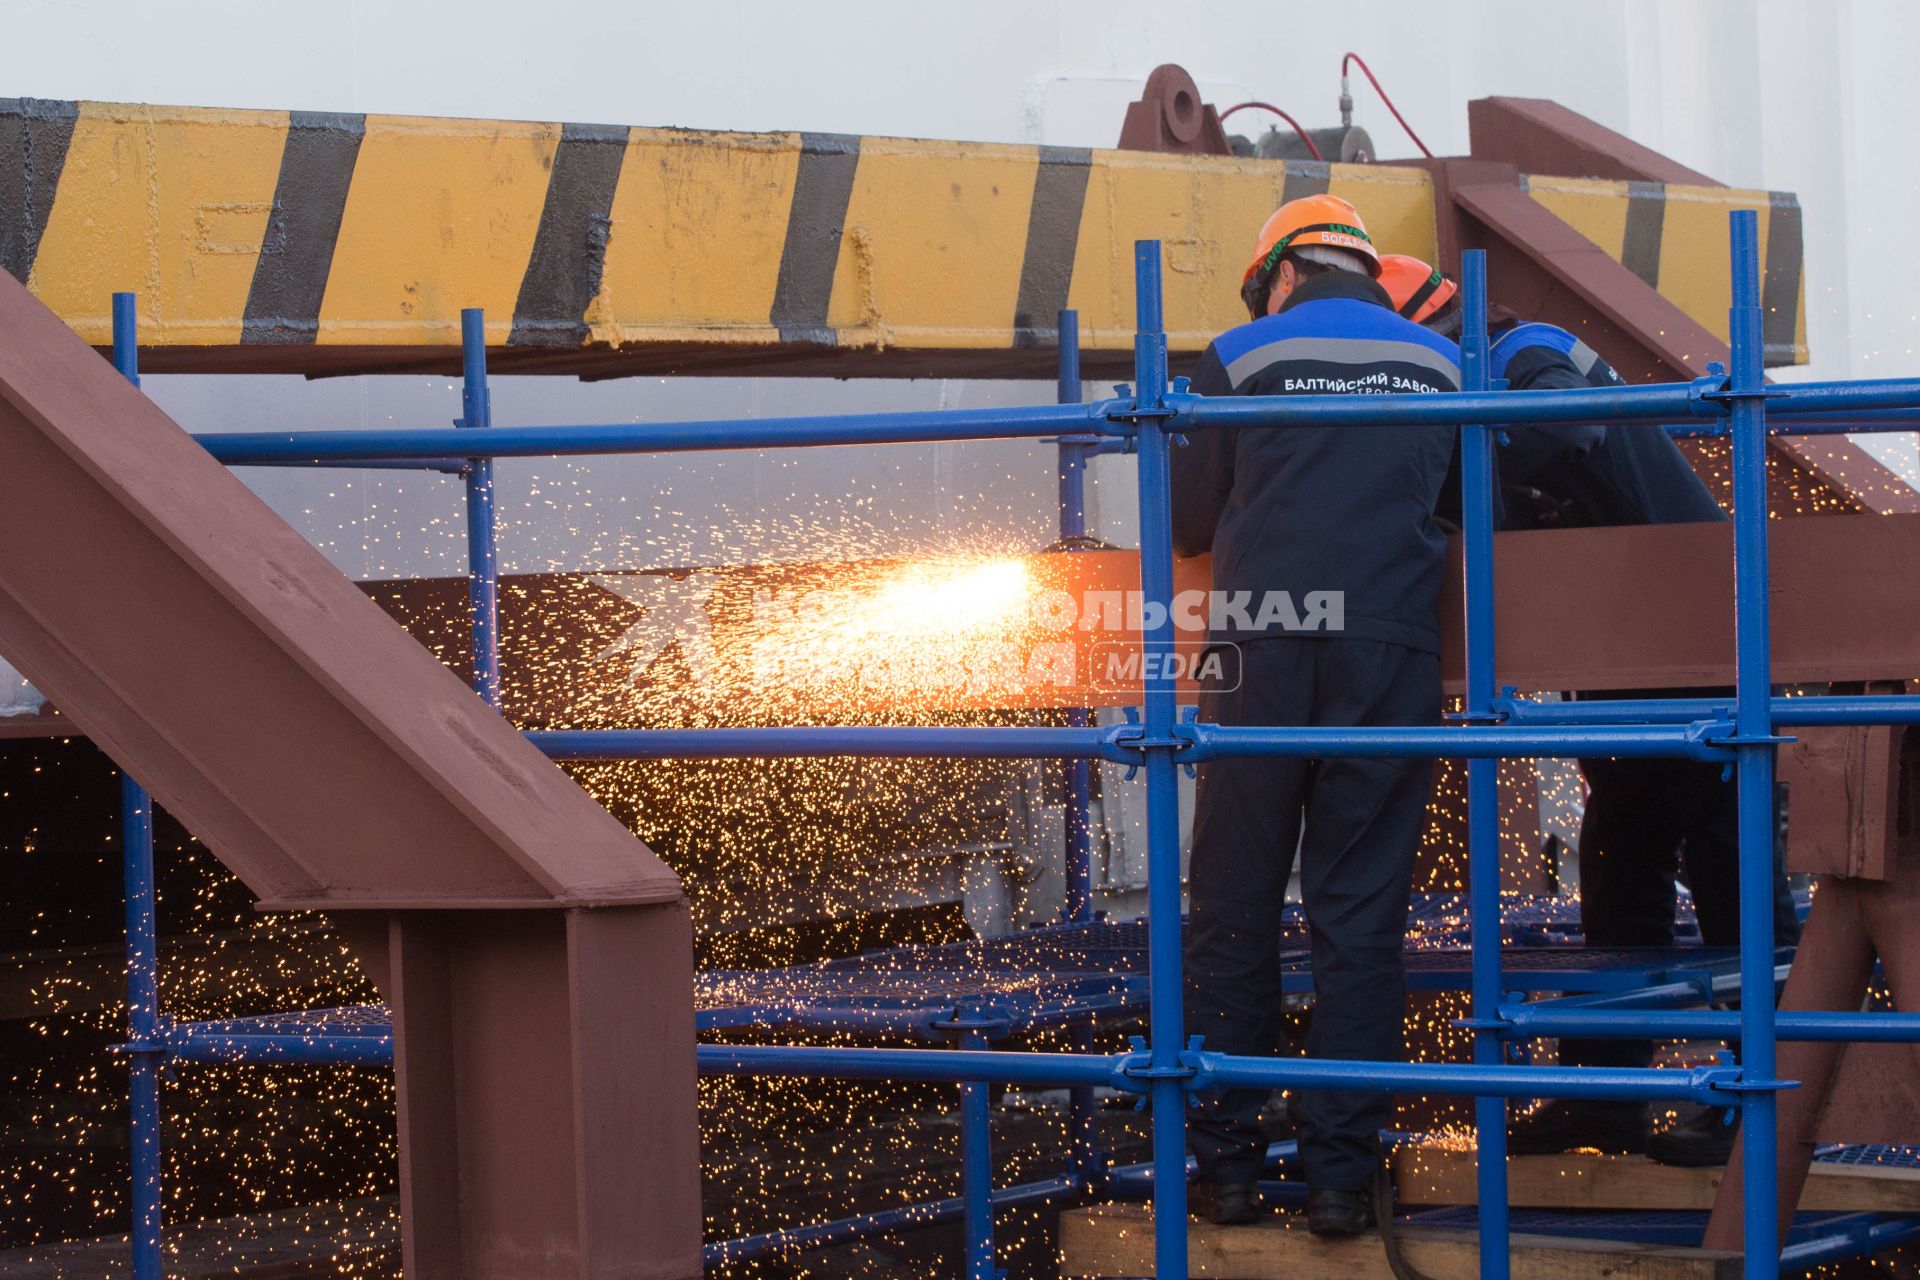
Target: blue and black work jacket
[
  {"x": 1623, "y": 473},
  {"x": 1305, "y": 509}
]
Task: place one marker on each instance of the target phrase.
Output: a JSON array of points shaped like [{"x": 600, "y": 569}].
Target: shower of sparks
[{"x": 784, "y": 861}]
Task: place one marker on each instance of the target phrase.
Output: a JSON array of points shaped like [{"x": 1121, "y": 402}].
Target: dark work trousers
[
  {"x": 1362, "y": 823},
  {"x": 1646, "y": 821}
]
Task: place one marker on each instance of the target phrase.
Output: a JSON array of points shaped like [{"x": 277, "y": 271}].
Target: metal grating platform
[{"x": 1065, "y": 974}]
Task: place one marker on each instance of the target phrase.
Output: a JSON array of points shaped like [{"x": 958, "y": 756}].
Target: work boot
[
  {"x": 1613, "y": 1127},
  {"x": 1226, "y": 1203},
  {"x": 1338, "y": 1213},
  {"x": 1702, "y": 1141}
]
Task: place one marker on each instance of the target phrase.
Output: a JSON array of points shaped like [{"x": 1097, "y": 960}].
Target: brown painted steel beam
[
  {"x": 1646, "y": 607},
  {"x": 1652, "y": 607},
  {"x": 1847, "y": 1092},
  {"x": 328, "y": 760},
  {"x": 1537, "y": 135}
]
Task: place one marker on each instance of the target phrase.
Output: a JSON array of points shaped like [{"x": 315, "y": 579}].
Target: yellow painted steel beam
[
  {"x": 330, "y": 243},
  {"x": 1674, "y": 238}
]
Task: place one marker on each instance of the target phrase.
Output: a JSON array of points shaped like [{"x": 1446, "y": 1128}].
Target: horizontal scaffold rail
[{"x": 1706, "y": 398}]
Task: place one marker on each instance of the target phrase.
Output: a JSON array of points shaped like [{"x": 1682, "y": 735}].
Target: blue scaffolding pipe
[
  {"x": 1077, "y": 773},
  {"x": 976, "y": 1163},
  {"x": 1014, "y": 742},
  {"x": 1842, "y": 709},
  {"x": 1170, "y": 1074},
  {"x": 483, "y": 560},
  {"x": 445, "y": 466},
  {"x": 1694, "y": 741},
  {"x": 1137, "y": 1179},
  {"x": 342, "y": 1050},
  {"x": 146, "y": 1054},
  {"x": 1138, "y": 1072},
  {"x": 1131, "y": 743},
  {"x": 1852, "y": 1239},
  {"x": 1164, "y": 1067},
  {"x": 1755, "y": 756},
  {"x": 1483, "y": 775},
  {"x": 1088, "y": 1163},
  {"x": 417, "y": 444},
  {"x": 1666, "y": 995},
  {"x": 882, "y": 1222},
  {"x": 1176, "y": 412},
  {"x": 935, "y": 1066},
  {"x": 1705, "y": 1024}
]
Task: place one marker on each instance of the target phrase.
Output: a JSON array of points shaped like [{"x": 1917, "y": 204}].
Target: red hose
[
  {"x": 1268, "y": 106},
  {"x": 1354, "y": 57}
]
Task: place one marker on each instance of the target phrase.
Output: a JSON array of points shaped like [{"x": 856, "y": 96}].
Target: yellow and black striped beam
[
  {"x": 1674, "y": 238},
  {"x": 326, "y": 243}
]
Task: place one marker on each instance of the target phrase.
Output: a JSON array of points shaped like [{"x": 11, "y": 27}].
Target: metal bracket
[
  {"x": 1737, "y": 739},
  {"x": 1191, "y": 1066},
  {"x": 1129, "y": 742},
  {"x": 1756, "y": 1086},
  {"x": 1500, "y": 1025},
  {"x": 1716, "y": 389}
]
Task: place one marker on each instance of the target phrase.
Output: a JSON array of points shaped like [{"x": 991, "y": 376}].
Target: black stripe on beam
[
  {"x": 570, "y": 249},
  {"x": 1780, "y": 286},
  {"x": 822, "y": 187},
  {"x": 1646, "y": 218},
  {"x": 34, "y": 136},
  {"x": 1053, "y": 235},
  {"x": 1305, "y": 178},
  {"x": 290, "y": 278}
]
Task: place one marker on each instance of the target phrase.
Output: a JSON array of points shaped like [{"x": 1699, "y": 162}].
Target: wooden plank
[
  {"x": 1588, "y": 1180},
  {"x": 1117, "y": 1240}
]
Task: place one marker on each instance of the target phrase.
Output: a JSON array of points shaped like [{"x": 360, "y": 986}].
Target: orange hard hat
[
  {"x": 1418, "y": 290},
  {"x": 1324, "y": 220}
]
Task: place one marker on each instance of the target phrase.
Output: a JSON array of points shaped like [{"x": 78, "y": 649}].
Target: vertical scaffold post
[
  {"x": 483, "y": 567},
  {"x": 1083, "y": 1137},
  {"x": 1483, "y": 776},
  {"x": 976, "y": 1154},
  {"x": 145, "y": 1055},
  {"x": 1753, "y": 722},
  {"x": 1164, "y": 1019},
  {"x": 1073, "y": 527}
]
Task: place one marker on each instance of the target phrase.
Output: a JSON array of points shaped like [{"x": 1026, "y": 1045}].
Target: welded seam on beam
[
  {"x": 570, "y": 249},
  {"x": 1646, "y": 219},
  {"x": 1780, "y": 284},
  {"x": 34, "y": 136},
  {"x": 1053, "y": 236},
  {"x": 822, "y": 190},
  {"x": 290, "y": 279}
]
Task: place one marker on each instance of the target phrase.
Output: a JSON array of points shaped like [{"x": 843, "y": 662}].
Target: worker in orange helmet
[
  {"x": 1420, "y": 293},
  {"x": 1342, "y": 516},
  {"x": 1645, "y": 821}
]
